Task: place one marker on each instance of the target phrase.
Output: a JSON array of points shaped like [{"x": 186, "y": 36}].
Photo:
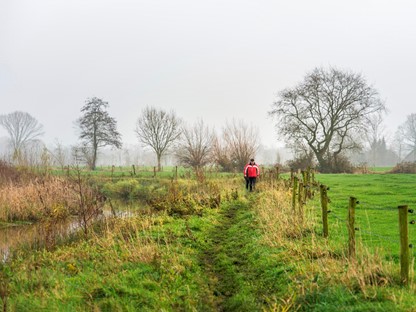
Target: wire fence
[{"x": 359, "y": 222}]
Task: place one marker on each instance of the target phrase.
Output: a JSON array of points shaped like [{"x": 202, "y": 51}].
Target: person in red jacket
[{"x": 251, "y": 172}]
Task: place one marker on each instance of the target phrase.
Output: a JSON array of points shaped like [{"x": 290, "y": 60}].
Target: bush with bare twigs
[{"x": 404, "y": 167}]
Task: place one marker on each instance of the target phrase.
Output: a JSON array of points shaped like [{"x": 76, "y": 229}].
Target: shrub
[
  {"x": 123, "y": 189},
  {"x": 302, "y": 161},
  {"x": 404, "y": 167},
  {"x": 338, "y": 164}
]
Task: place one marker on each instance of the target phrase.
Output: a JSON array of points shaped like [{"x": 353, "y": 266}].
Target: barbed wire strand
[
  {"x": 381, "y": 237},
  {"x": 377, "y": 208}
]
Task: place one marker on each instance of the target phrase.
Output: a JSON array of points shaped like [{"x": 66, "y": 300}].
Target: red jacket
[{"x": 251, "y": 170}]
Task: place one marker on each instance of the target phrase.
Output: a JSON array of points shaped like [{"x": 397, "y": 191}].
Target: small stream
[{"x": 17, "y": 236}]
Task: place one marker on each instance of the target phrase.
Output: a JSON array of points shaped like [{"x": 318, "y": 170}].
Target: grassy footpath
[{"x": 241, "y": 276}]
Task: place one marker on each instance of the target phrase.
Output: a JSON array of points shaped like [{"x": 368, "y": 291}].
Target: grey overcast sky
[{"x": 216, "y": 60}]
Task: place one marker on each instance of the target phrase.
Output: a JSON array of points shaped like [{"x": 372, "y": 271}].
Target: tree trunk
[
  {"x": 159, "y": 167},
  {"x": 94, "y": 159},
  {"x": 322, "y": 162}
]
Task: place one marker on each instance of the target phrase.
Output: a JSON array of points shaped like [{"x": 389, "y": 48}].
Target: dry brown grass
[{"x": 36, "y": 199}]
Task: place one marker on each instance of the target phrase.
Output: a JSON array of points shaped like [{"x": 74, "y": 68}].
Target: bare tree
[
  {"x": 408, "y": 132},
  {"x": 195, "y": 146},
  {"x": 97, "y": 129},
  {"x": 22, "y": 129},
  {"x": 158, "y": 130},
  {"x": 222, "y": 154},
  {"x": 239, "y": 143},
  {"x": 399, "y": 145},
  {"x": 374, "y": 136},
  {"x": 326, "y": 113},
  {"x": 60, "y": 154}
]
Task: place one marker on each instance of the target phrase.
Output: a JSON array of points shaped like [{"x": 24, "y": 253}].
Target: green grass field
[{"x": 379, "y": 195}]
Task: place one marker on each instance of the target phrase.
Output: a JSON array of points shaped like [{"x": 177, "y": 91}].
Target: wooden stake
[
  {"x": 351, "y": 227},
  {"x": 295, "y": 188},
  {"x": 300, "y": 201},
  {"x": 404, "y": 245},
  {"x": 324, "y": 205}
]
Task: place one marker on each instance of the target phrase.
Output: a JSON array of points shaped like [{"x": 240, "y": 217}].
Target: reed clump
[{"x": 37, "y": 199}]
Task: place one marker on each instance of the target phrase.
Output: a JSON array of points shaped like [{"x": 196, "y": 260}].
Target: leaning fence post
[
  {"x": 351, "y": 227},
  {"x": 324, "y": 205},
  {"x": 295, "y": 188},
  {"x": 404, "y": 245}
]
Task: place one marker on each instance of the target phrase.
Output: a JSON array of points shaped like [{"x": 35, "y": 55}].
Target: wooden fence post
[
  {"x": 351, "y": 227},
  {"x": 277, "y": 173},
  {"x": 313, "y": 182},
  {"x": 324, "y": 205},
  {"x": 292, "y": 175},
  {"x": 154, "y": 172},
  {"x": 134, "y": 169},
  {"x": 404, "y": 245},
  {"x": 300, "y": 201},
  {"x": 313, "y": 176},
  {"x": 176, "y": 172},
  {"x": 295, "y": 188},
  {"x": 308, "y": 190}
]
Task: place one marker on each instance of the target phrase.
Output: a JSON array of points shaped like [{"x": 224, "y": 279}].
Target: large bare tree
[
  {"x": 195, "y": 146},
  {"x": 158, "y": 130},
  {"x": 22, "y": 129},
  {"x": 97, "y": 128},
  {"x": 326, "y": 113},
  {"x": 239, "y": 142}
]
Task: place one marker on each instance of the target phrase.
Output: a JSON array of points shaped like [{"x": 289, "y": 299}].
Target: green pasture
[
  {"x": 377, "y": 219},
  {"x": 380, "y": 169}
]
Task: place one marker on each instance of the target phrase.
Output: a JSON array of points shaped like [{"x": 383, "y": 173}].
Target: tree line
[
  {"x": 193, "y": 145},
  {"x": 327, "y": 117}
]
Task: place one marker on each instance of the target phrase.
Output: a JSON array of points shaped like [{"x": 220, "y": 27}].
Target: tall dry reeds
[{"x": 36, "y": 199}]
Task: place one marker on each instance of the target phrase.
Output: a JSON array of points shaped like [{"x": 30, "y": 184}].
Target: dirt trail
[{"x": 223, "y": 259}]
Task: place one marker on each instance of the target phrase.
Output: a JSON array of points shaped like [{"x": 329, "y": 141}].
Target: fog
[{"x": 215, "y": 60}]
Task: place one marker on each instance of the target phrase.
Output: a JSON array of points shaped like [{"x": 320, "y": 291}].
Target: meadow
[
  {"x": 180, "y": 242},
  {"x": 379, "y": 195}
]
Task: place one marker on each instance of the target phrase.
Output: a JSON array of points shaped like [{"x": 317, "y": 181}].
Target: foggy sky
[{"x": 215, "y": 60}]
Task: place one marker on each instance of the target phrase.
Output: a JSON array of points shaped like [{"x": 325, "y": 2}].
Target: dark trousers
[{"x": 250, "y": 182}]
